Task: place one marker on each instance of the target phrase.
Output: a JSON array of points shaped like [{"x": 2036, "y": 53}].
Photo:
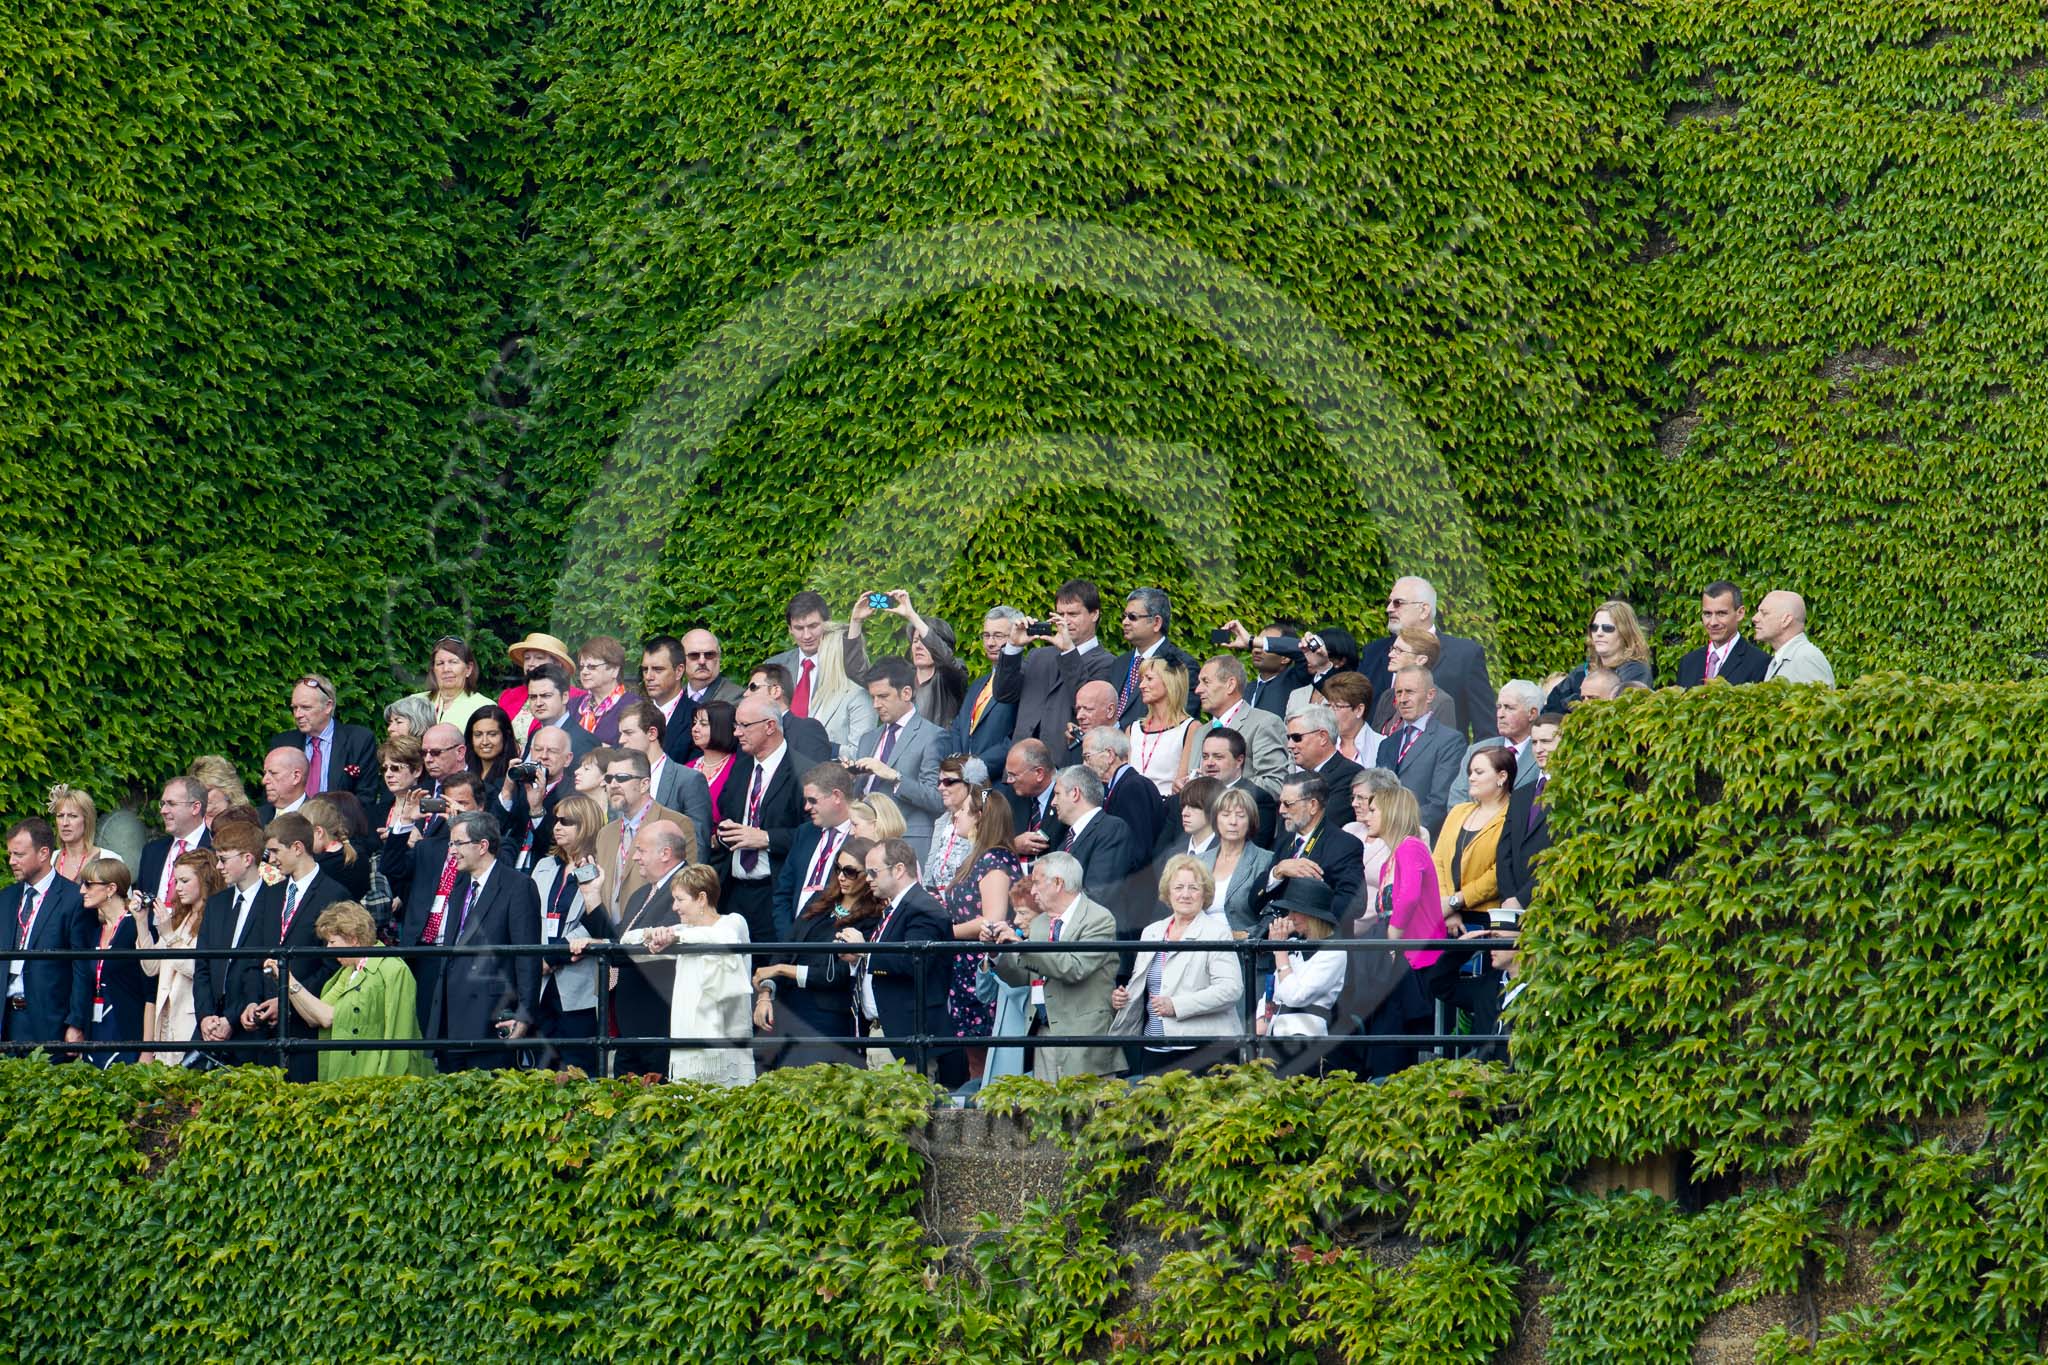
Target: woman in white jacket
[{"x": 1173, "y": 994}]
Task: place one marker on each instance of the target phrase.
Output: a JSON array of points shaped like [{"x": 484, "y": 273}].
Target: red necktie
[
  {"x": 432, "y": 934},
  {"x": 800, "y": 704},
  {"x": 170, "y": 870},
  {"x": 316, "y": 771}
]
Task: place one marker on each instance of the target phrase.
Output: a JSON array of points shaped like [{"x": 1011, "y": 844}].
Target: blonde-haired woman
[
  {"x": 1175, "y": 994},
  {"x": 173, "y": 1019},
  {"x": 877, "y": 818},
  {"x": 1614, "y": 640},
  {"x": 1408, "y": 900},
  {"x": 1160, "y": 744},
  {"x": 838, "y": 700},
  {"x": 77, "y": 822},
  {"x": 224, "y": 789}
]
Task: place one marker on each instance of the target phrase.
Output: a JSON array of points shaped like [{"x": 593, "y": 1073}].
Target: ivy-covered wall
[
  {"x": 1788, "y": 937},
  {"x": 328, "y": 332}
]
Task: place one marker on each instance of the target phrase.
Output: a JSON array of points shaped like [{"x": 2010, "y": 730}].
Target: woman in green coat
[{"x": 370, "y": 997}]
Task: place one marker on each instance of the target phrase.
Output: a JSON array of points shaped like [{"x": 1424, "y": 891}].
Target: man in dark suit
[
  {"x": 674, "y": 784},
  {"x": 338, "y": 757},
  {"x": 223, "y": 987},
  {"x": 703, "y": 680},
  {"x": 1312, "y": 736},
  {"x": 487, "y": 995},
  {"x": 1223, "y": 758},
  {"x": 760, "y": 810},
  {"x": 1460, "y": 666},
  {"x": 770, "y": 682},
  {"x": 421, "y": 869},
  {"x": 1277, "y": 667},
  {"x": 526, "y": 810},
  {"x": 284, "y": 782},
  {"x": 828, "y": 795},
  {"x": 914, "y": 916},
  {"x": 1027, "y": 783},
  {"x": 1128, "y": 794},
  {"x": 547, "y": 701},
  {"x": 1103, "y": 845},
  {"x": 1526, "y": 831},
  {"x": 1423, "y": 754},
  {"x": 47, "y": 1002},
  {"x": 1050, "y": 677},
  {"x": 1315, "y": 847},
  {"x": 1725, "y": 655},
  {"x": 661, "y": 682},
  {"x": 183, "y": 808},
  {"x": 647, "y": 984},
  {"x": 1147, "y": 614},
  {"x": 987, "y": 713},
  {"x": 284, "y": 917}
]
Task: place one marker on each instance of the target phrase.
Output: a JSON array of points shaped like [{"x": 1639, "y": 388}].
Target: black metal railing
[{"x": 283, "y": 1041}]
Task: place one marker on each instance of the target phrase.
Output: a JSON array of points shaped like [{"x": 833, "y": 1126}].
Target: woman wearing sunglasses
[
  {"x": 810, "y": 995},
  {"x": 1613, "y": 641}
]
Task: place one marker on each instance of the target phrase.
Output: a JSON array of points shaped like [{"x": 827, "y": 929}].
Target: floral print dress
[{"x": 962, "y": 899}]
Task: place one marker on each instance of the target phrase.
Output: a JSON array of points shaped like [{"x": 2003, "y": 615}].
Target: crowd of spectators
[{"x": 1291, "y": 788}]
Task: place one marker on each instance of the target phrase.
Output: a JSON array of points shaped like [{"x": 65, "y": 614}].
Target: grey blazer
[
  {"x": 916, "y": 756},
  {"x": 1461, "y": 786},
  {"x": 1265, "y": 743},
  {"x": 1245, "y": 881},
  {"x": 683, "y": 788},
  {"x": 1077, "y": 987},
  {"x": 576, "y": 981}
]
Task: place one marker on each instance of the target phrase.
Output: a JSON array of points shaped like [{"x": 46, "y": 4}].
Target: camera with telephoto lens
[{"x": 524, "y": 772}]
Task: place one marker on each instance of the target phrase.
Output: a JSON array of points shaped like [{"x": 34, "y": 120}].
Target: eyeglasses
[
  {"x": 1609, "y": 629},
  {"x": 1293, "y": 738},
  {"x": 1397, "y": 602},
  {"x": 318, "y": 684},
  {"x": 436, "y": 753},
  {"x": 398, "y": 767},
  {"x": 93, "y": 883},
  {"x": 952, "y": 781},
  {"x": 621, "y": 779},
  {"x": 749, "y": 724},
  {"x": 755, "y": 687},
  {"x": 700, "y": 655},
  {"x": 1139, "y": 615},
  {"x": 587, "y": 664},
  {"x": 455, "y": 842},
  {"x": 563, "y": 822},
  {"x": 852, "y": 871}
]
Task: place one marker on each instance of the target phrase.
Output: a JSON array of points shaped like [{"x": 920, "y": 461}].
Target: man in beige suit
[
  {"x": 1070, "y": 991},
  {"x": 626, "y": 792}
]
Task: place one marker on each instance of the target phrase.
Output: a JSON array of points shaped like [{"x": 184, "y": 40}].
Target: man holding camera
[
  {"x": 482, "y": 996},
  {"x": 1051, "y": 678},
  {"x": 533, "y": 787},
  {"x": 420, "y": 866},
  {"x": 1277, "y": 667}
]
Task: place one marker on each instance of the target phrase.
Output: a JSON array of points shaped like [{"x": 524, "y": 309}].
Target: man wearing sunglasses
[
  {"x": 1460, "y": 670},
  {"x": 1147, "y": 613},
  {"x": 632, "y": 808},
  {"x": 828, "y": 800},
  {"x": 338, "y": 757}
]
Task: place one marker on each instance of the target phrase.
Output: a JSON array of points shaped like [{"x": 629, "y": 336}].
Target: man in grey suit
[
  {"x": 1520, "y": 702},
  {"x": 1423, "y": 755},
  {"x": 1781, "y": 624},
  {"x": 1069, "y": 991},
  {"x": 674, "y": 785},
  {"x": 1221, "y": 685},
  {"x": 901, "y": 757}
]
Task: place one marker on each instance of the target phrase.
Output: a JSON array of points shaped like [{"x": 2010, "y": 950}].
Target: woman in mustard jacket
[{"x": 1465, "y": 849}]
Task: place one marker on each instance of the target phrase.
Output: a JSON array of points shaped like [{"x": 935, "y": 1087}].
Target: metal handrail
[{"x": 284, "y": 1043}]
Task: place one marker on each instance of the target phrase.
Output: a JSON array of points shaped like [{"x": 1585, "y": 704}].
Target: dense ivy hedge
[
  {"x": 972, "y": 298},
  {"x": 253, "y": 265}
]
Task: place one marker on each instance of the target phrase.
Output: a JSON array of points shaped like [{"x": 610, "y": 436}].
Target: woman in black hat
[{"x": 1306, "y": 981}]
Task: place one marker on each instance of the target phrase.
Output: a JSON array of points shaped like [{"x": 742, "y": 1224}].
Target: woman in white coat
[
  {"x": 714, "y": 994},
  {"x": 1174, "y": 994}
]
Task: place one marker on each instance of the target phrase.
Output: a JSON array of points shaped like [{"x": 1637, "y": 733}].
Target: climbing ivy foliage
[
  {"x": 331, "y": 330},
  {"x": 1786, "y": 936}
]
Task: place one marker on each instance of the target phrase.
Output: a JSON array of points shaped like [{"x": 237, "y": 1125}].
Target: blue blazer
[
  {"x": 59, "y": 993},
  {"x": 990, "y": 740}
]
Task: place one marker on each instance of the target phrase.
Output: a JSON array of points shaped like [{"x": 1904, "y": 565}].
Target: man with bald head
[
  {"x": 1027, "y": 780},
  {"x": 338, "y": 757},
  {"x": 1460, "y": 670},
  {"x": 284, "y": 783},
  {"x": 1780, "y": 622},
  {"x": 646, "y": 983},
  {"x": 527, "y": 809},
  {"x": 759, "y": 812},
  {"x": 1094, "y": 707},
  {"x": 444, "y": 754},
  {"x": 703, "y": 675}
]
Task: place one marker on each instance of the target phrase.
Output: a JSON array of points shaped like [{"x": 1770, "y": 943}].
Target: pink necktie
[
  {"x": 171, "y": 870},
  {"x": 316, "y": 769}
]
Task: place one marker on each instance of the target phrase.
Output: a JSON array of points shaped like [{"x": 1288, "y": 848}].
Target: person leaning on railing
[
  {"x": 1172, "y": 994},
  {"x": 366, "y": 998}
]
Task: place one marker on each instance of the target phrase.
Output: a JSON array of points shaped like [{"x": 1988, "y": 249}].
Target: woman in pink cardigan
[{"x": 1408, "y": 899}]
